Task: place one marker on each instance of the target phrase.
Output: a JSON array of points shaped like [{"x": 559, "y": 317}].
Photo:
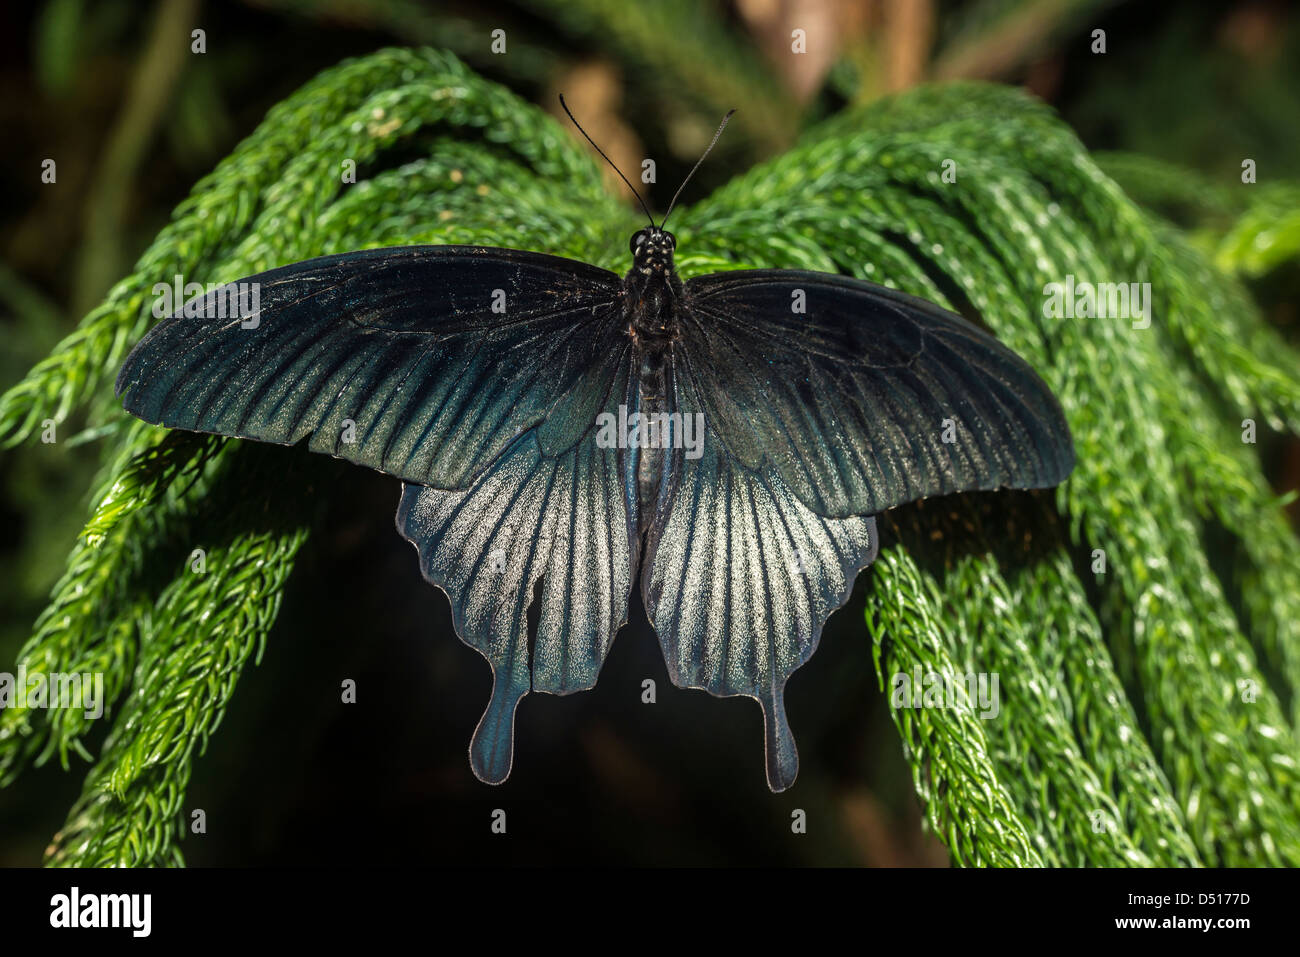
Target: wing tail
[
  {"x": 778, "y": 740},
  {"x": 492, "y": 748}
]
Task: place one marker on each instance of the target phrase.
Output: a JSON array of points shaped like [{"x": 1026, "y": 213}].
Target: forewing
[
  {"x": 425, "y": 362},
  {"x": 867, "y": 398},
  {"x": 741, "y": 575}
]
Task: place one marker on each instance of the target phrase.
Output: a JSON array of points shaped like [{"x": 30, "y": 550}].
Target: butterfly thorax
[{"x": 652, "y": 293}]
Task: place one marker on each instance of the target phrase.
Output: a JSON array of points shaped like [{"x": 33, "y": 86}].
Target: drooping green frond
[
  {"x": 969, "y": 807},
  {"x": 194, "y": 643},
  {"x": 1248, "y": 227}
]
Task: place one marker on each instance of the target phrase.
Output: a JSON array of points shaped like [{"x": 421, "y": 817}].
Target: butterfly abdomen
[{"x": 652, "y": 392}]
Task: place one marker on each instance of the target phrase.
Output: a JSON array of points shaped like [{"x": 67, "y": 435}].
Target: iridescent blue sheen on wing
[
  {"x": 740, "y": 576},
  {"x": 850, "y": 400},
  {"x": 569, "y": 521},
  {"x": 390, "y": 358}
]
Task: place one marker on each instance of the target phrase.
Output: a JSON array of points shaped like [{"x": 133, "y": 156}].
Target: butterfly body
[{"x": 650, "y": 298}]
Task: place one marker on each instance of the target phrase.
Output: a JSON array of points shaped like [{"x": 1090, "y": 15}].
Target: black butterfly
[{"x": 726, "y": 440}]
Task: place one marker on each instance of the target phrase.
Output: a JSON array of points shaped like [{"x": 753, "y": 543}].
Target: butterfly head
[{"x": 652, "y": 250}]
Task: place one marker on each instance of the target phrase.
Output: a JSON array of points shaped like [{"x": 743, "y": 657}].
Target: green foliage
[
  {"x": 193, "y": 643},
  {"x": 680, "y": 53},
  {"x": 684, "y": 46},
  {"x": 1147, "y": 714},
  {"x": 1248, "y": 228}
]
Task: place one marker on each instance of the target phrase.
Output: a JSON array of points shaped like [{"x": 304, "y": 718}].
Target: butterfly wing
[
  {"x": 424, "y": 362},
  {"x": 740, "y": 575},
  {"x": 566, "y": 521},
  {"x": 397, "y": 359},
  {"x": 867, "y": 398},
  {"x": 812, "y": 421}
]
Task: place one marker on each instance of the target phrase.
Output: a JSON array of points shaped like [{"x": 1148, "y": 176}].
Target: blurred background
[{"x": 1181, "y": 94}]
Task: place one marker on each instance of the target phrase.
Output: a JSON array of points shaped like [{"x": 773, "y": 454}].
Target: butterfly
[{"x": 564, "y": 434}]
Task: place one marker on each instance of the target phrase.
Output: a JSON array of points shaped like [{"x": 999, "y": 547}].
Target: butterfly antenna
[
  {"x": 713, "y": 142},
  {"x": 608, "y": 160}
]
